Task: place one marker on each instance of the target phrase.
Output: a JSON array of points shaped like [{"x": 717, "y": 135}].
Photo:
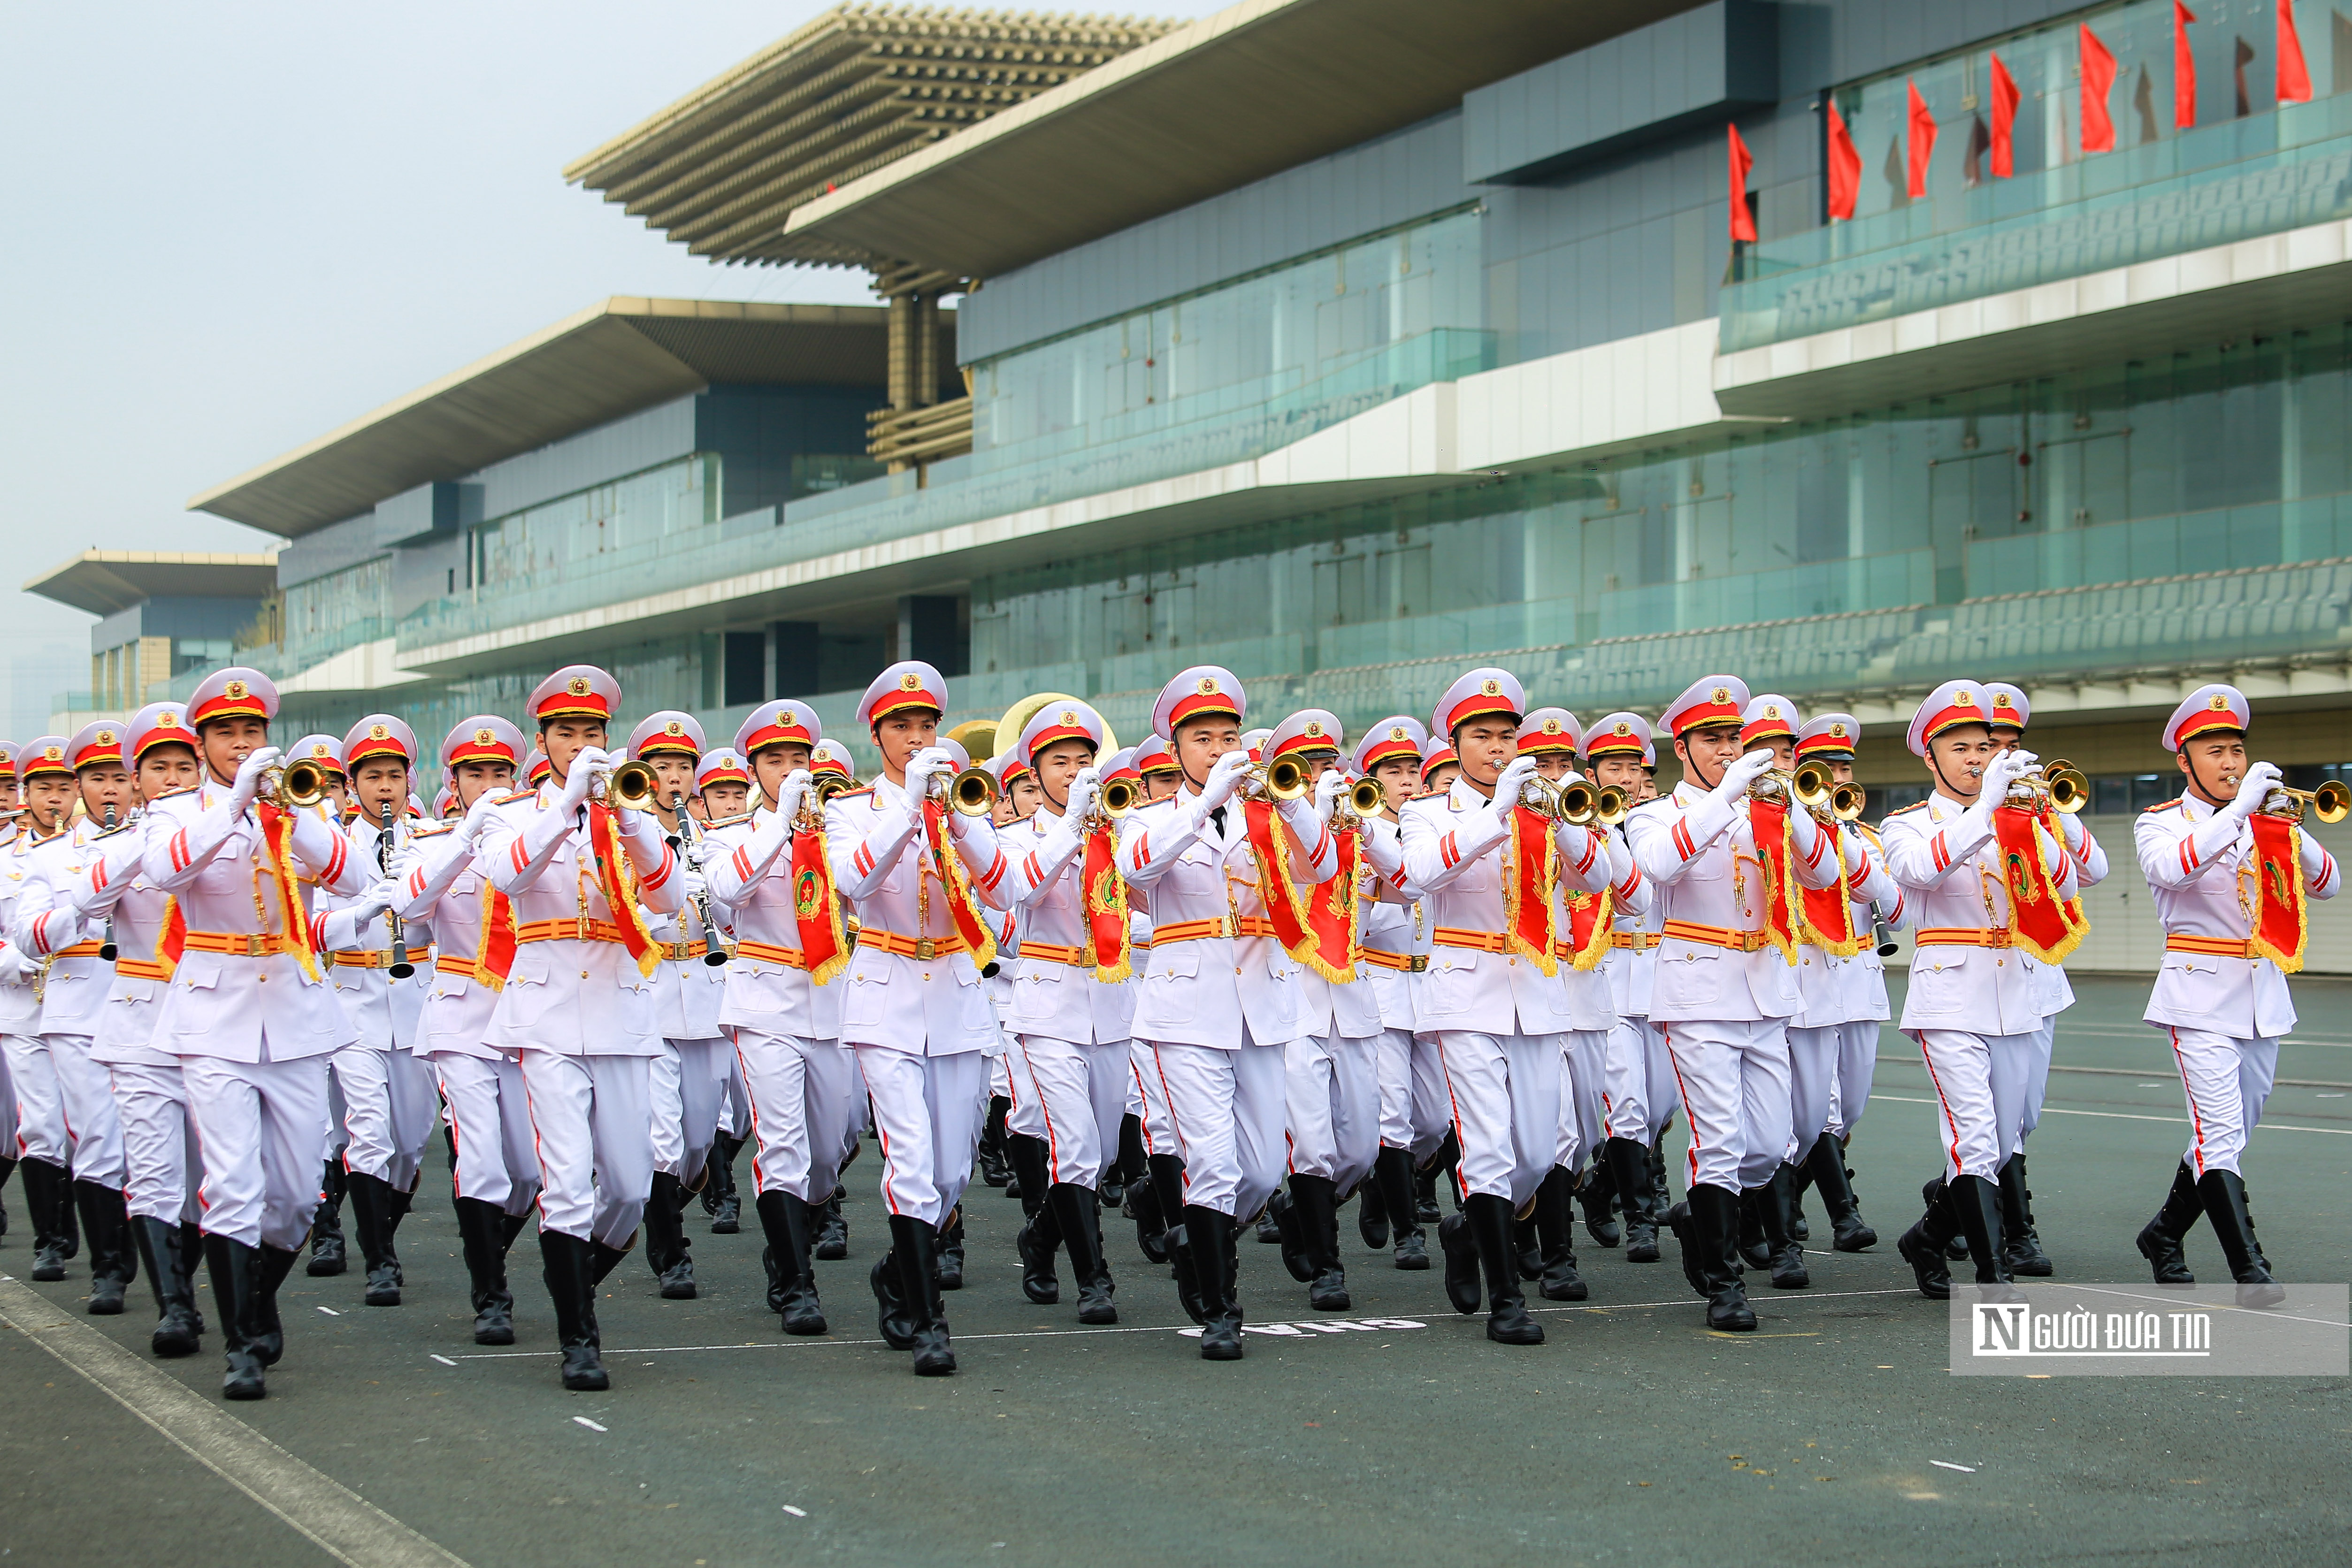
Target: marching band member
[
  {"x": 690, "y": 1075},
  {"x": 1155, "y": 1195},
  {"x": 1724, "y": 862},
  {"x": 1488, "y": 868},
  {"x": 783, "y": 1001},
  {"x": 1638, "y": 1092},
  {"x": 1833, "y": 1042},
  {"x": 42, "y": 1146},
  {"x": 830, "y": 764},
  {"x": 723, "y": 793},
  {"x": 494, "y": 1174},
  {"x": 1982, "y": 882},
  {"x": 2232, "y": 872},
  {"x": 329, "y": 1254},
  {"x": 579, "y": 1007},
  {"x": 1410, "y": 1077},
  {"x": 387, "y": 1089},
  {"x": 247, "y": 1010},
  {"x": 1216, "y": 1044},
  {"x": 917, "y": 869},
  {"x": 74, "y": 976}
]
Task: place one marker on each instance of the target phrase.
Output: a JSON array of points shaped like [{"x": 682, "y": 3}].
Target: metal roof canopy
[
  {"x": 1233, "y": 98},
  {"x": 612, "y": 358},
  {"x": 103, "y": 581},
  {"x": 852, "y": 90}
]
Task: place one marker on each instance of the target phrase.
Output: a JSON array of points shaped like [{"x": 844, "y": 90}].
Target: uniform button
[
  {"x": 584, "y": 974},
  {"x": 927, "y": 974}
]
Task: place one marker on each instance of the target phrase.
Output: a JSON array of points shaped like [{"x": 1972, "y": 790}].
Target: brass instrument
[
  {"x": 1015, "y": 719},
  {"x": 296, "y": 787},
  {"x": 1367, "y": 797},
  {"x": 401, "y": 967},
  {"x": 1538, "y": 794},
  {"x": 629, "y": 787},
  {"x": 1280, "y": 779},
  {"x": 813, "y": 800},
  {"x": 972, "y": 792},
  {"x": 1584, "y": 804},
  {"x": 1118, "y": 797},
  {"x": 2057, "y": 783},
  {"x": 692, "y": 849},
  {"x": 106, "y": 947},
  {"x": 2331, "y": 802}
]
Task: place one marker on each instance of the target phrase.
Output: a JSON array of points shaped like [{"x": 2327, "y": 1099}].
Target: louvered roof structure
[{"x": 852, "y": 90}]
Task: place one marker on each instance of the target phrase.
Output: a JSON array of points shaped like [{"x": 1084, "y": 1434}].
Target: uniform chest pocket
[
  {"x": 865, "y": 1005},
  {"x": 198, "y": 972},
  {"x": 1179, "y": 965}
]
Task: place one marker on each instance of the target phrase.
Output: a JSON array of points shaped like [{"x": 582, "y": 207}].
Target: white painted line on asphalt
[
  {"x": 443, "y": 1360},
  {"x": 331, "y": 1311},
  {"x": 338, "y": 1521},
  {"x": 1947, "y": 1464},
  {"x": 797, "y": 1512},
  {"x": 590, "y": 1424},
  {"x": 2127, "y": 1116}
]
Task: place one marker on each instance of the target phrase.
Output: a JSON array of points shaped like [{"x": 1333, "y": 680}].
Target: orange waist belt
[
  {"x": 1963, "y": 937},
  {"x": 238, "y": 944},
  {"x": 769, "y": 952},
  {"x": 457, "y": 964},
  {"x": 1638, "y": 941},
  {"x": 579, "y": 928},
  {"x": 1473, "y": 941},
  {"x": 140, "y": 970},
  {"x": 1054, "y": 953},
  {"x": 2209, "y": 947},
  {"x": 1189, "y": 930},
  {"x": 1715, "y": 936},
  {"x": 1401, "y": 963},
  {"x": 364, "y": 960},
  {"x": 79, "y": 950},
  {"x": 924, "y": 948},
  {"x": 683, "y": 952}
]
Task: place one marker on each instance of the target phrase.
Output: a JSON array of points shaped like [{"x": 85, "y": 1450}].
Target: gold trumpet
[
  {"x": 629, "y": 787},
  {"x": 1118, "y": 797},
  {"x": 2057, "y": 781},
  {"x": 1584, "y": 804},
  {"x": 972, "y": 792},
  {"x": 297, "y": 786},
  {"x": 1280, "y": 779},
  {"x": 813, "y": 800},
  {"x": 2331, "y": 802},
  {"x": 1365, "y": 797}
]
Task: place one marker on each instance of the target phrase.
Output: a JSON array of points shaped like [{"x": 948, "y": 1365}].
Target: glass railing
[
  {"x": 1215, "y": 430},
  {"x": 2263, "y": 175}
]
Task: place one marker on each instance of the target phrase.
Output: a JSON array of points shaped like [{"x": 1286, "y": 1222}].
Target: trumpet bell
[
  {"x": 1367, "y": 797},
  {"x": 630, "y": 787},
  {"x": 1813, "y": 785},
  {"x": 972, "y": 792},
  {"x": 2332, "y": 802},
  {"x": 302, "y": 784},
  {"x": 1119, "y": 797},
  {"x": 1281, "y": 779},
  {"x": 1847, "y": 801},
  {"x": 2070, "y": 791}
]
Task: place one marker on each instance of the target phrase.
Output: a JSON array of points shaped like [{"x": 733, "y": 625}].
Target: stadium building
[{"x": 1344, "y": 342}]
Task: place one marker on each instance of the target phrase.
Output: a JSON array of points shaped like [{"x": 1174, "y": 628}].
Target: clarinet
[
  {"x": 401, "y": 967},
  {"x": 106, "y": 949},
  {"x": 1882, "y": 936},
  {"x": 688, "y": 841}
]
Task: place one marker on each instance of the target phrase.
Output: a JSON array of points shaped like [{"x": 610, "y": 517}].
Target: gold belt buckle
[
  {"x": 253, "y": 947},
  {"x": 926, "y": 949},
  {"x": 1418, "y": 964}
]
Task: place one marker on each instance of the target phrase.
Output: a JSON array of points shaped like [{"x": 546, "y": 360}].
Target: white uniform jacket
[
  {"x": 1053, "y": 992},
  {"x": 1454, "y": 846},
  {"x": 1853, "y": 988},
  {"x": 926, "y": 1007},
  {"x": 383, "y": 1011},
  {"x": 1591, "y": 996},
  {"x": 2200, "y": 870},
  {"x": 48, "y": 928},
  {"x": 1630, "y": 968},
  {"x": 1948, "y": 862},
  {"x": 689, "y": 990},
  {"x": 213, "y": 860},
  {"x": 20, "y": 1008},
  {"x": 565, "y": 996},
  {"x": 1197, "y": 874},
  {"x": 749, "y": 871},
  {"x": 115, "y": 887},
  {"x": 447, "y": 891},
  {"x": 1393, "y": 930}
]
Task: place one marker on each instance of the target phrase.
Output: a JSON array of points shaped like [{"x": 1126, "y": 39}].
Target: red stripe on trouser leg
[
  {"x": 1690, "y": 1158},
  {"x": 2189, "y": 1092}
]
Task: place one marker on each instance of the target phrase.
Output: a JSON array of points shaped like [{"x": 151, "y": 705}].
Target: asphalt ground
[{"x": 1832, "y": 1435}]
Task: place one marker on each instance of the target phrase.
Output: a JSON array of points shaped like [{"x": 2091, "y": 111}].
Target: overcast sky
[{"x": 235, "y": 226}]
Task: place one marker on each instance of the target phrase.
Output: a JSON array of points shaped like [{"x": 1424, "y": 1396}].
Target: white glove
[
  {"x": 693, "y": 883},
  {"x": 1736, "y": 778},
  {"x": 12, "y": 964},
  {"x": 1085, "y": 789},
  {"x": 379, "y": 896},
  {"x": 932, "y": 762},
  {"x": 479, "y": 815},
  {"x": 241, "y": 794},
  {"x": 792, "y": 793},
  {"x": 1328, "y": 790},
  {"x": 404, "y": 859},
  {"x": 1225, "y": 778},
  {"x": 2006, "y": 769},
  {"x": 2254, "y": 789},
  {"x": 592, "y": 764}
]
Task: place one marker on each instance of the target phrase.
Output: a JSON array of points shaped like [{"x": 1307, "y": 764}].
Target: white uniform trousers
[
  {"x": 2227, "y": 1082},
  {"x": 685, "y": 1082},
  {"x": 1979, "y": 1081},
  {"x": 93, "y": 1121},
  {"x": 1009, "y": 1076},
  {"x": 490, "y": 1122},
  {"x": 161, "y": 1170},
  {"x": 1638, "y": 1092},
  {"x": 1583, "y": 1058},
  {"x": 7, "y": 1109},
  {"x": 1000, "y": 1082},
  {"x": 591, "y": 1132},
  {"x": 927, "y": 1112},
  {"x": 40, "y": 1108},
  {"x": 258, "y": 1135},
  {"x": 1733, "y": 1077},
  {"x": 2037, "y": 1083},
  {"x": 1147, "y": 1098},
  {"x": 1857, "y": 1062},
  {"x": 1412, "y": 1092},
  {"x": 799, "y": 1091},
  {"x": 1225, "y": 1109},
  {"x": 1076, "y": 1095},
  {"x": 734, "y": 1102},
  {"x": 1812, "y": 1083},
  {"x": 334, "y": 1140},
  {"x": 1503, "y": 1095},
  {"x": 389, "y": 1101},
  {"x": 1331, "y": 1102}
]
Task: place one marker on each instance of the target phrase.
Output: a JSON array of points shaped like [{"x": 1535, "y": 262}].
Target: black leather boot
[
  {"x": 1371, "y": 1212},
  {"x": 1142, "y": 1206},
  {"x": 947, "y": 1261},
  {"x": 1595, "y": 1197},
  {"x": 1926, "y": 1245},
  {"x": 570, "y": 1267},
  {"x": 1799, "y": 1226},
  {"x": 993, "y": 1168},
  {"x": 604, "y": 1258},
  {"x": 913, "y": 1246},
  {"x": 1976, "y": 1204},
  {"x": 1393, "y": 1173},
  {"x": 792, "y": 1294},
  {"x": 2022, "y": 1248},
  {"x": 832, "y": 1243},
  {"x": 7, "y": 1164},
  {"x": 235, "y": 1270},
  {"x": 1464, "y": 1287},
  {"x": 1662, "y": 1197},
  {"x": 113, "y": 1259},
  {"x": 1027, "y": 1156},
  {"x": 1527, "y": 1243},
  {"x": 326, "y": 1224},
  {"x": 1208, "y": 1240},
  {"x": 2159, "y": 1240},
  {"x": 177, "y": 1327},
  {"x": 1826, "y": 1164},
  {"x": 1629, "y": 1162},
  {"x": 1316, "y": 1204},
  {"x": 1166, "y": 1174},
  {"x": 269, "y": 1337},
  {"x": 481, "y": 1235},
  {"x": 1080, "y": 1209},
  {"x": 1754, "y": 1251},
  {"x": 2224, "y": 1197},
  {"x": 1282, "y": 1207},
  {"x": 48, "y": 1204},
  {"x": 1035, "y": 1242},
  {"x": 1556, "y": 1233},
  {"x": 666, "y": 1243},
  {"x": 1269, "y": 1231},
  {"x": 1488, "y": 1218},
  {"x": 720, "y": 1199},
  {"x": 1714, "y": 1227},
  {"x": 1424, "y": 1193},
  {"x": 1191, "y": 1294},
  {"x": 68, "y": 1225},
  {"x": 1785, "y": 1253},
  {"x": 371, "y": 1200}
]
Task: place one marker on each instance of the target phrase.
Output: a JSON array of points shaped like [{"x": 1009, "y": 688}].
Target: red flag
[
  {"x": 1106, "y": 904},
  {"x": 2294, "y": 75},
  {"x": 2098, "y": 79},
  {"x": 1775, "y": 848},
  {"x": 1530, "y": 881},
  {"x": 2041, "y": 922},
  {"x": 2004, "y": 116},
  {"x": 1845, "y": 166},
  {"x": 817, "y": 913},
  {"x": 1743, "y": 221},
  {"x": 2281, "y": 919},
  {"x": 1922, "y": 140},
  {"x": 2184, "y": 70}
]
